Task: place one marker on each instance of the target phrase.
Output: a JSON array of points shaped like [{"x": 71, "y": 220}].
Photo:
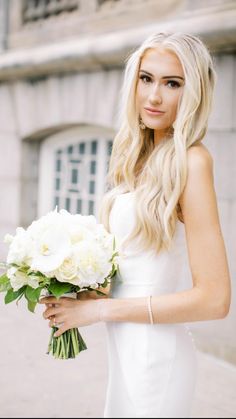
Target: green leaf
[
  {"x": 5, "y": 284},
  {"x": 18, "y": 299},
  {"x": 114, "y": 256},
  {"x": 32, "y": 294},
  {"x": 59, "y": 288},
  {"x": 113, "y": 271},
  {"x": 31, "y": 305},
  {"x": 100, "y": 292},
  {"x": 105, "y": 283},
  {"x": 13, "y": 295}
]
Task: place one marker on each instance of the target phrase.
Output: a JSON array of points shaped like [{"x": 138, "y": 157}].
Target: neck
[{"x": 159, "y": 135}]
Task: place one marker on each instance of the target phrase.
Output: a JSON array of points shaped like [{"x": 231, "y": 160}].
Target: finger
[
  {"x": 52, "y": 311},
  {"x": 52, "y": 322},
  {"x": 49, "y": 300},
  {"x": 55, "y": 322},
  {"x": 50, "y": 305},
  {"x": 62, "y": 328}
]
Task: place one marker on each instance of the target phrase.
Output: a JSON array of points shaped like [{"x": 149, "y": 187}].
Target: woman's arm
[{"x": 209, "y": 297}]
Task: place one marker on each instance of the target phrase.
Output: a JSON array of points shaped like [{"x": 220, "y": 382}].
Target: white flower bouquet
[{"x": 59, "y": 254}]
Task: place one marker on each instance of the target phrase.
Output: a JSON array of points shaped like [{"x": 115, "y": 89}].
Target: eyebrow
[{"x": 165, "y": 77}]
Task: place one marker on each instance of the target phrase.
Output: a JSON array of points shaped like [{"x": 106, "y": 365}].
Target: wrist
[
  {"x": 103, "y": 309},
  {"x": 100, "y": 309}
]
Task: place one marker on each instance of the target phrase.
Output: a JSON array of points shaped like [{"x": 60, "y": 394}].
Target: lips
[{"x": 154, "y": 111}]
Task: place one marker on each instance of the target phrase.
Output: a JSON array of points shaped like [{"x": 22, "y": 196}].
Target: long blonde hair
[{"x": 158, "y": 174}]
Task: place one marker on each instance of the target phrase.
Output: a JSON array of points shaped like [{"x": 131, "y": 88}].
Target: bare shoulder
[
  {"x": 198, "y": 156},
  {"x": 198, "y": 199}
]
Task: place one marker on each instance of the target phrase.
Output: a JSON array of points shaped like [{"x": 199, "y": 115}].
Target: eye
[
  {"x": 173, "y": 84},
  {"x": 145, "y": 78}
]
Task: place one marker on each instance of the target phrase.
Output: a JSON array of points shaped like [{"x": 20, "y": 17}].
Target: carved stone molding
[{"x": 216, "y": 26}]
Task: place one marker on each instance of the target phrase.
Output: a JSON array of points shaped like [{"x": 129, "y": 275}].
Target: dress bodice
[
  {"x": 151, "y": 366},
  {"x": 164, "y": 272}
]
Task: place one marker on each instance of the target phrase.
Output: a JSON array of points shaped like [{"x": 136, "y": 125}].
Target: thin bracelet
[{"x": 150, "y": 309}]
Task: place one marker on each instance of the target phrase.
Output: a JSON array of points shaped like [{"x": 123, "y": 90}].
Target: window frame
[{"x": 47, "y": 161}]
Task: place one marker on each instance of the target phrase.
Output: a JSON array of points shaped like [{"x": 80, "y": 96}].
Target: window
[
  {"x": 101, "y": 2},
  {"x": 42, "y": 9},
  {"x": 73, "y": 168},
  {"x": 76, "y": 181}
]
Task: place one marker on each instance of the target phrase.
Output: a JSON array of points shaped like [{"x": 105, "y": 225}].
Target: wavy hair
[{"x": 157, "y": 174}]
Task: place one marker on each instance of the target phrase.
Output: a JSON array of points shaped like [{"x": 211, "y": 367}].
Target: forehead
[{"x": 161, "y": 61}]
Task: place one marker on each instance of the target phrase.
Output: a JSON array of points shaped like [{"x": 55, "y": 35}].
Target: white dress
[{"x": 152, "y": 368}]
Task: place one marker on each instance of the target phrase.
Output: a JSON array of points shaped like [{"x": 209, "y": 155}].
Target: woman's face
[{"x": 159, "y": 89}]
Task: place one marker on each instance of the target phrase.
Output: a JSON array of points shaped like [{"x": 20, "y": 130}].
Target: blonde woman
[{"x": 162, "y": 207}]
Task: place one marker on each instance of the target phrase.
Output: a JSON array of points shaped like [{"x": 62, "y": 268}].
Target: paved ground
[{"x": 33, "y": 384}]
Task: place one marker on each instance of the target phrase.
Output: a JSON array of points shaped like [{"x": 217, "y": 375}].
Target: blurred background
[{"x": 61, "y": 69}]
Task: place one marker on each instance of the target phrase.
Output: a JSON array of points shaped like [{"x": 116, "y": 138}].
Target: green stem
[
  {"x": 63, "y": 348},
  {"x": 50, "y": 342},
  {"x": 66, "y": 346},
  {"x": 75, "y": 343}
]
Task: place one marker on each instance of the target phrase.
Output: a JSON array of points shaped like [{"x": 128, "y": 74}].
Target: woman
[{"x": 162, "y": 208}]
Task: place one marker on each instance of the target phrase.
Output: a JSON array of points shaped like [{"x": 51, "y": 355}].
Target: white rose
[{"x": 68, "y": 271}]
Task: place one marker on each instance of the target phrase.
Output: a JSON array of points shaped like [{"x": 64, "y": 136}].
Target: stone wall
[{"x": 91, "y": 17}]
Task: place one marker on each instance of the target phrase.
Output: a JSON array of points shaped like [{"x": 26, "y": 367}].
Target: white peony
[
  {"x": 43, "y": 224},
  {"x": 20, "y": 250},
  {"x": 79, "y": 227},
  {"x": 87, "y": 221},
  {"x": 105, "y": 240},
  {"x": 93, "y": 264},
  {"x": 71, "y": 248},
  {"x": 8, "y": 238},
  {"x": 51, "y": 249}
]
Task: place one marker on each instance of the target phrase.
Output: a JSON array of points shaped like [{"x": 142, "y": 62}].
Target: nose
[{"x": 155, "y": 95}]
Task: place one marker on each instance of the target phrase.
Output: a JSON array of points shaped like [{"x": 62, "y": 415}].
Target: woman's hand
[
  {"x": 100, "y": 292},
  {"x": 67, "y": 313}
]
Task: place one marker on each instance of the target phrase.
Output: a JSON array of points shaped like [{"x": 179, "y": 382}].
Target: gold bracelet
[{"x": 150, "y": 309}]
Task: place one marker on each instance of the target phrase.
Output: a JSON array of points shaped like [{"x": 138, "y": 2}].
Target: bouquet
[{"x": 59, "y": 254}]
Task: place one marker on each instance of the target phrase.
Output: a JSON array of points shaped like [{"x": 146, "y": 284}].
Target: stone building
[{"x": 61, "y": 68}]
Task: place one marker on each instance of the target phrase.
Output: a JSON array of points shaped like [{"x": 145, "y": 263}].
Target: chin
[{"x": 155, "y": 126}]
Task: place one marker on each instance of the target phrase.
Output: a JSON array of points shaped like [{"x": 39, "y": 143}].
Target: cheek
[
  {"x": 174, "y": 104},
  {"x": 140, "y": 94}
]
